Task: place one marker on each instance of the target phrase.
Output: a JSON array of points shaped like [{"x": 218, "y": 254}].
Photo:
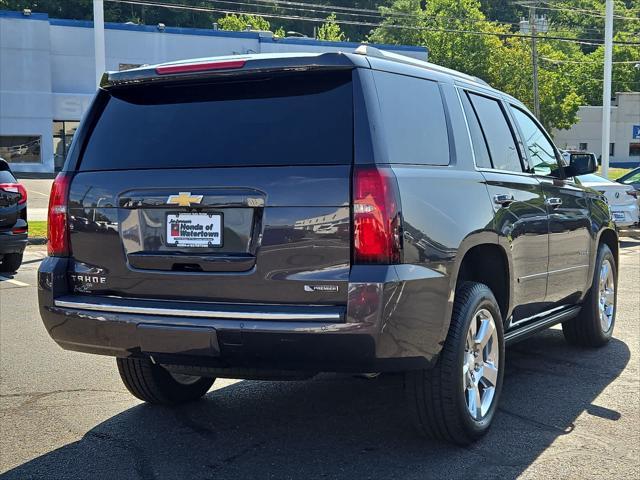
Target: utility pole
[
  {"x": 98, "y": 38},
  {"x": 606, "y": 90},
  {"x": 534, "y": 59}
]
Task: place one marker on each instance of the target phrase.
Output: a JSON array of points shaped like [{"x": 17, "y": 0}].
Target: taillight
[
  {"x": 633, "y": 193},
  {"x": 200, "y": 67},
  {"x": 377, "y": 229},
  {"x": 57, "y": 227},
  {"x": 15, "y": 188}
]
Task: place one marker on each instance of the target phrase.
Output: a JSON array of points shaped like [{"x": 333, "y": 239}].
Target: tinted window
[
  {"x": 6, "y": 177},
  {"x": 542, "y": 156},
  {"x": 502, "y": 147},
  {"x": 414, "y": 123},
  {"x": 480, "y": 151},
  {"x": 297, "y": 119},
  {"x": 633, "y": 178}
]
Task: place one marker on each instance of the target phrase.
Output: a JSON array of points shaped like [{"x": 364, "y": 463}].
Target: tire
[
  {"x": 589, "y": 329},
  {"x": 438, "y": 397},
  {"x": 154, "y": 384},
  {"x": 11, "y": 262}
]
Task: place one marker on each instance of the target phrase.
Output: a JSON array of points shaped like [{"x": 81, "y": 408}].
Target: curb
[{"x": 36, "y": 241}]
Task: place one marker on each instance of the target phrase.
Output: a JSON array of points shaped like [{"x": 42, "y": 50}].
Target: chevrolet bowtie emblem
[{"x": 184, "y": 199}]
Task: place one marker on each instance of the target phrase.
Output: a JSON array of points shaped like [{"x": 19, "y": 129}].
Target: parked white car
[{"x": 621, "y": 198}]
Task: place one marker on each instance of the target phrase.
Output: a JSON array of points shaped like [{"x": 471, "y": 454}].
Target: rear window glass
[
  {"x": 413, "y": 118},
  {"x": 281, "y": 120},
  {"x": 6, "y": 177}
]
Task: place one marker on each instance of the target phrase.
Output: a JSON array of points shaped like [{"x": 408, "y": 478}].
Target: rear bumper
[
  {"x": 383, "y": 327},
  {"x": 625, "y": 216},
  {"x": 12, "y": 242}
]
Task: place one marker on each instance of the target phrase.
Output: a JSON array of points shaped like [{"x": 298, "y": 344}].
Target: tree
[
  {"x": 240, "y": 22},
  {"x": 330, "y": 30}
]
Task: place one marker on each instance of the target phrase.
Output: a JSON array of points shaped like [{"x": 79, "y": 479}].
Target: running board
[{"x": 527, "y": 330}]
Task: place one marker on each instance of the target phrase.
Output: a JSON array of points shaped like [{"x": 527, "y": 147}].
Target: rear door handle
[
  {"x": 503, "y": 199},
  {"x": 553, "y": 201}
]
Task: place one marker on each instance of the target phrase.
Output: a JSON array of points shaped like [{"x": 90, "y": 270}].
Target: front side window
[
  {"x": 20, "y": 148},
  {"x": 502, "y": 146},
  {"x": 415, "y": 127},
  {"x": 542, "y": 155}
]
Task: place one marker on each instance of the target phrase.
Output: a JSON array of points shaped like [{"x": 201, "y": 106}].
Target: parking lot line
[{"x": 14, "y": 282}]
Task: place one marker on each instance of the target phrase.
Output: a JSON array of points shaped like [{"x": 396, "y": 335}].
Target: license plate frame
[
  {"x": 186, "y": 218},
  {"x": 618, "y": 216}
]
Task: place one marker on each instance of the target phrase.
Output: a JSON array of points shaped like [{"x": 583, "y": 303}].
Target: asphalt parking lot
[{"x": 565, "y": 413}]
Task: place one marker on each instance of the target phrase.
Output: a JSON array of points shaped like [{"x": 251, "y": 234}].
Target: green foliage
[
  {"x": 240, "y": 22},
  {"x": 569, "y": 74},
  {"x": 330, "y": 30}
]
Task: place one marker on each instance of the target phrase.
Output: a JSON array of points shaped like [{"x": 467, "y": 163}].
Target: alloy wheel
[
  {"x": 481, "y": 364},
  {"x": 606, "y": 295}
]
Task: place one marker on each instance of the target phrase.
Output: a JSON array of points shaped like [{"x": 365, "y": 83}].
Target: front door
[{"x": 568, "y": 211}]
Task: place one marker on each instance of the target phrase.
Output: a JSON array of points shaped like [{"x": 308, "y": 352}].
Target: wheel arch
[
  {"x": 476, "y": 251},
  {"x": 609, "y": 237}
]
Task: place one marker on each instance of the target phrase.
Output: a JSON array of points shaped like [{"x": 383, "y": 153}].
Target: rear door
[
  {"x": 224, "y": 191},
  {"x": 520, "y": 216},
  {"x": 568, "y": 209}
]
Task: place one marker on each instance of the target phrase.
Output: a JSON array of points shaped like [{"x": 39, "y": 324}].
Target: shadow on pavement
[{"x": 341, "y": 427}]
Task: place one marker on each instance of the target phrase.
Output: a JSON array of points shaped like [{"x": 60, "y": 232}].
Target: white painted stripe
[{"x": 14, "y": 282}]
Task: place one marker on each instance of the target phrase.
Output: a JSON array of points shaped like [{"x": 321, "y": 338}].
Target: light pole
[
  {"x": 98, "y": 38},
  {"x": 606, "y": 91}
]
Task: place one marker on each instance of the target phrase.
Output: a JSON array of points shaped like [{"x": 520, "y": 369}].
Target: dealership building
[
  {"x": 47, "y": 72},
  {"x": 586, "y": 135}
]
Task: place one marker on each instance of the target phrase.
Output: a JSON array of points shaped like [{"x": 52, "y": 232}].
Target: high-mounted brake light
[
  {"x": 57, "y": 225},
  {"x": 377, "y": 229},
  {"x": 200, "y": 67},
  {"x": 15, "y": 188}
]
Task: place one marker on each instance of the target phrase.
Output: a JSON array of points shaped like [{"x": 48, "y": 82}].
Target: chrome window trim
[{"x": 177, "y": 312}]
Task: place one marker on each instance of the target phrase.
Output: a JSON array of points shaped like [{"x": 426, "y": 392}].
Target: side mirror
[{"x": 580, "y": 164}]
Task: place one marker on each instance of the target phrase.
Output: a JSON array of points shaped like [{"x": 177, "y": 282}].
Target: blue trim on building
[
  {"x": 63, "y": 22},
  {"x": 33, "y": 16}
]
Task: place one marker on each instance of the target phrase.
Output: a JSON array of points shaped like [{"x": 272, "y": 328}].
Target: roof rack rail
[{"x": 370, "y": 51}]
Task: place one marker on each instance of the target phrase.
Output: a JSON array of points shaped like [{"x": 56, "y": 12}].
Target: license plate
[
  {"x": 619, "y": 216},
  {"x": 194, "y": 230}
]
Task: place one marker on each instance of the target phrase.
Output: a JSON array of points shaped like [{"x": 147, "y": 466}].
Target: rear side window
[
  {"x": 279, "y": 120},
  {"x": 414, "y": 123},
  {"x": 502, "y": 146},
  {"x": 480, "y": 150}
]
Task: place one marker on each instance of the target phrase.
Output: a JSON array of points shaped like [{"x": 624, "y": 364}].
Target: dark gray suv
[{"x": 275, "y": 216}]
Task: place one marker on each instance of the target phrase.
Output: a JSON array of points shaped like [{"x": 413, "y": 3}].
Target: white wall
[
  {"x": 624, "y": 114},
  {"x": 25, "y": 85}
]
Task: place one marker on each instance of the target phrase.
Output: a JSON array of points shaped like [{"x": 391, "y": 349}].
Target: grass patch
[
  {"x": 615, "y": 173},
  {"x": 38, "y": 229}
]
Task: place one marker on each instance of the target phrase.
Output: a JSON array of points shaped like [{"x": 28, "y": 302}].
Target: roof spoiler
[{"x": 226, "y": 67}]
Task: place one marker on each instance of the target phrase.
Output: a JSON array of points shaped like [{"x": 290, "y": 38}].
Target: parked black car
[
  {"x": 13, "y": 220},
  {"x": 275, "y": 216}
]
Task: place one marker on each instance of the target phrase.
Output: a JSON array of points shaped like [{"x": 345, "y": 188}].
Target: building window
[
  {"x": 612, "y": 149},
  {"x": 634, "y": 149},
  {"x": 20, "y": 148},
  {"x": 583, "y": 147},
  {"x": 63, "y": 132}
]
